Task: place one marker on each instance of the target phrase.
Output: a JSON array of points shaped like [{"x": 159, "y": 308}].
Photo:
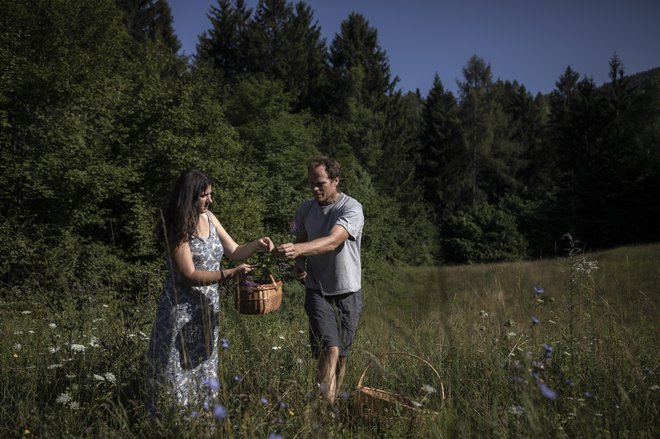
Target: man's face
[{"x": 323, "y": 188}]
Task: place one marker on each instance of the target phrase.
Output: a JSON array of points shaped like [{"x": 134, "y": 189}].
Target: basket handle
[
  {"x": 272, "y": 279},
  {"x": 442, "y": 387}
]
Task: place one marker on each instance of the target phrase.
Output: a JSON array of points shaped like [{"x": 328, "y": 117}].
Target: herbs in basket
[{"x": 260, "y": 292}]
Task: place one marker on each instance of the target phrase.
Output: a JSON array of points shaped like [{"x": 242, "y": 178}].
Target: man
[{"x": 327, "y": 253}]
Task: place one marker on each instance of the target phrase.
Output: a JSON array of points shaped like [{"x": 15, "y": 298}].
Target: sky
[{"x": 531, "y": 41}]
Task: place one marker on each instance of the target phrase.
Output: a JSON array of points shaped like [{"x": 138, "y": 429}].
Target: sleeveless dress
[{"x": 182, "y": 358}]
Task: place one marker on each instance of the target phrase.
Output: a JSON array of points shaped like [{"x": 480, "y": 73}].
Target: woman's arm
[
  {"x": 243, "y": 251},
  {"x": 184, "y": 266}
]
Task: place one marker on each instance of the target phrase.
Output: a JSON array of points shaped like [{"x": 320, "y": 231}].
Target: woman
[{"x": 183, "y": 350}]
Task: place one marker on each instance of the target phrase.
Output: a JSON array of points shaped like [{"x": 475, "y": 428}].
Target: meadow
[{"x": 561, "y": 347}]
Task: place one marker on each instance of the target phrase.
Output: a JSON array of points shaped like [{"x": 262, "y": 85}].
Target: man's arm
[{"x": 324, "y": 244}]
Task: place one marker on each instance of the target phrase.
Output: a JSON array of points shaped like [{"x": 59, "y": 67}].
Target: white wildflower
[
  {"x": 74, "y": 405},
  {"x": 511, "y": 334},
  {"x": 281, "y": 337},
  {"x": 77, "y": 347},
  {"x": 26, "y": 312},
  {"x": 516, "y": 410},
  {"x": 64, "y": 398},
  {"x": 275, "y": 348},
  {"x": 53, "y": 349},
  {"x": 55, "y": 366},
  {"x": 94, "y": 342},
  {"x": 483, "y": 313},
  {"x": 70, "y": 375},
  {"x": 52, "y": 325},
  {"x": 110, "y": 377},
  {"x": 105, "y": 306},
  {"x": 416, "y": 404},
  {"x": 429, "y": 389},
  {"x": 301, "y": 332},
  {"x": 655, "y": 387},
  {"x": 18, "y": 332},
  {"x": 31, "y": 331},
  {"x": 17, "y": 346},
  {"x": 98, "y": 377}
]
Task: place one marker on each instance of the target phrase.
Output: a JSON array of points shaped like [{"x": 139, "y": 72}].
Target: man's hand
[{"x": 288, "y": 251}]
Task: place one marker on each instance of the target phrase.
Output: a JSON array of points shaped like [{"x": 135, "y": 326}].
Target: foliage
[{"x": 73, "y": 366}]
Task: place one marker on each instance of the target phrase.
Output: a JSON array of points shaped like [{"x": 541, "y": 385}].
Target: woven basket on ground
[
  {"x": 373, "y": 404},
  {"x": 258, "y": 299}
]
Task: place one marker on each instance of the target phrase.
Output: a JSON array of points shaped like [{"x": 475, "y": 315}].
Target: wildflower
[
  {"x": 483, "y": 313},
  {"x": 539, "y": 290},
  {"x": 429, "y": 389},
  {"x": 344, "y": 395},
  {"x": 26, "y": 312},
  {"x": 98, "y": 377},
  {"x": 74, "y": 405},
  {"x": 516, "y": 410},
  {"x": 281, "y": 337},
  {"x": 220, "y": 412},
  {"x": 55, "y": 366},
  {"x": 224, "y": 343},
  {"x": 63, "y": 398},
  {"x": 547, "y": 391},
  {"x": 655, "y": 387},
  {"x": 77, "y": 347},
  {"x": 275, "y": 436},
  {"x": 52, "y": 325},
  {"x": 588, "y": 394},
  {"x": 110, "y": 377},
  {"x": 193, "y": 414},
  {"x": 212, "y": 383},
  {"x": 416, "y": 404},
  {"x": 17, "y": 346},
  {"x": 548, "y": 351},
  {"x": 94, "y": 342},
  {"x": 26, "y": 431},
  {"x": 264, "y": 401},
  {"x": 237, "y": 378},
  {"x": 276, "y": 348},
  {"x": 535, "y": 321}
]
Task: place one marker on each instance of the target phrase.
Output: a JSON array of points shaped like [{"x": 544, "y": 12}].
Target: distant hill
[{"x": 641, "y": 78}]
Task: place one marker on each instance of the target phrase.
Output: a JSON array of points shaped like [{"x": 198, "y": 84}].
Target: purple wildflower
[
  {"x": 238, "y": 378},
  {"x": 535, "y": 321},
  {"x": 220, "y": 412},
  {"x": 588, "y": 394},
  {"x": 212, "y": 383},
  {"x": 264, "y": 401},
  {"x": 547, "y": 391},
  {"x": 344, "y": 395},
  {"x": 275, "y": 436},
  {"x": 539, "y": 290},
  {"x": 224, "y": 343},
  {"x": 548, "y": 351}
]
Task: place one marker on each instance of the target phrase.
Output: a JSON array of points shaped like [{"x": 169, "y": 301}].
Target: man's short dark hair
[{"x": 332, "y": 167}]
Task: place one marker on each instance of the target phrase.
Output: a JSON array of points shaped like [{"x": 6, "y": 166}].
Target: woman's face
[{"x": 204, "y": 201}]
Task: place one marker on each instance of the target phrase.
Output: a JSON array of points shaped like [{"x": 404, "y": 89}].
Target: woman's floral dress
[{"x": 183, "y": 350}]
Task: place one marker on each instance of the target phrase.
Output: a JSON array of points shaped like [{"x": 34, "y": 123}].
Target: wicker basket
[
  {"x": 259, "y": 299},
  {"x": 374, "y": 404}
]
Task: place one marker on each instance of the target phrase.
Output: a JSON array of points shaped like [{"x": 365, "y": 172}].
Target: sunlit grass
[{"x": 73, "y": 366}]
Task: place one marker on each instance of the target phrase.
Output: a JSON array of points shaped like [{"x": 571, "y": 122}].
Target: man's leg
[
  {"x": 328, "y": 371},
  {"x": 341, "y": 372}
]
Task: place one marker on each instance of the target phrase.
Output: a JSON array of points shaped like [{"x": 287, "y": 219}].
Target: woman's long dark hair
[{"x": 180, "y": 213}]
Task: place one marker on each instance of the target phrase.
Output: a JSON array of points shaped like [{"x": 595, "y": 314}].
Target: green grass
[{"x": 472, "y": 324}]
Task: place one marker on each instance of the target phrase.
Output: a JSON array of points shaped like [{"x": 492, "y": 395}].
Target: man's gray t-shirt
[{"x": 338, "y": 271}]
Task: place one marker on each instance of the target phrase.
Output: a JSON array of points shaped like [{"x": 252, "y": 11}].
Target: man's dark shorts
[{"x": 333, "y": 320}]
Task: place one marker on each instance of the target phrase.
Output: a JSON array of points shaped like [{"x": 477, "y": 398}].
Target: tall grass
[{"x": 552, "y": 348}]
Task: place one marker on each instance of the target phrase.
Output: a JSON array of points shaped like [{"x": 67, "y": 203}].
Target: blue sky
[{"x": 531, "y": 41}]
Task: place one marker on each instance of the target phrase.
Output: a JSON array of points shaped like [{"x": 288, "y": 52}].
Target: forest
[{"x": 99, "y": 114}]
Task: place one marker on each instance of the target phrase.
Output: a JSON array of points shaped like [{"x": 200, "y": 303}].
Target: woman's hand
[
  {"x": 265, "y": 244},
  {"x": 243, "y": 269}
]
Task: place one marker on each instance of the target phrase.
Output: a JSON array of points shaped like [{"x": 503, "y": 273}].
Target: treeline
[{"x": 98, "y": 115}]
